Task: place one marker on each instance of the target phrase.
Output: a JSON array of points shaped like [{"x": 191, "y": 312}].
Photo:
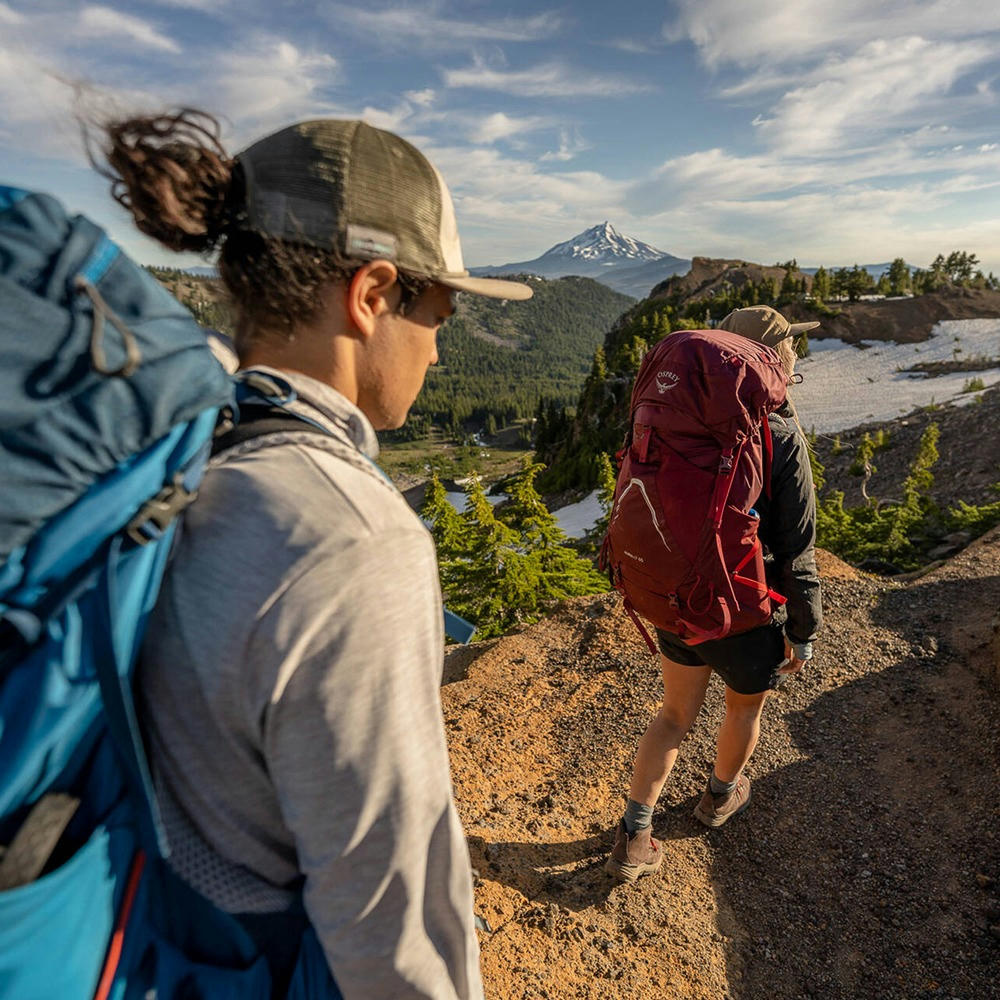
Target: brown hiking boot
[
  {"x": 634, "y": 856},
  {"x": 714, "y": 810}
]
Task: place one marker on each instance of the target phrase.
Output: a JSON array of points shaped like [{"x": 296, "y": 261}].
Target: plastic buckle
[{"x": 157, "y": 513}]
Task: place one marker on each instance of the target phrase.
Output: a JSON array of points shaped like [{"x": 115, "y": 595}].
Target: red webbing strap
[
  {"x": 640, "y": 440},
  {"x": 773, "y": 594},
  {"x": 724, "y": 483},
  {"x": 768, "y": 454},
  {"x": 750, "y": 554},
  {"x": 703, "y": 635},
  {"x": 642, "y": 628},
  {"x": 118, "y": 937}
]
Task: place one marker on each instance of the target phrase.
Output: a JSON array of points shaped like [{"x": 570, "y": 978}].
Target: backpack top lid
[
  {"x": 63, "y": 423},
  {"x": 708, "y": 382}
]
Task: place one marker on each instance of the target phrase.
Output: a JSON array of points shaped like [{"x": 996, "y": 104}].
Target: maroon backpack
[{"x": 682, "y": 542}]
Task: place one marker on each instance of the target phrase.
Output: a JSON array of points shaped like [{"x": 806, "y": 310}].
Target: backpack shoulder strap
[
  {"x": 261, "y": 420},
  {"x": 765, "y": 428}
]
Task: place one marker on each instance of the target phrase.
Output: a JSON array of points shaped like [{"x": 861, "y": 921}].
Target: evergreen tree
[
  {"x": 938, "y": 273},
  {"x": 790, "y": 283},
  {"x": 821, "y": 285},
  {"x": 558, "y": 571},
  {"x": 526, "y": 512},
  {"x": 506, "y": 569},
  {"x": 960, "y": 267},
  {"x": 917, "y": 504},
  {"x": 492, "y": 585},
  {"x": 899, "y": 277},
  {"x": 855, "y": 282},
  {"x": 605, "y": 493},
  {"x": 450, "y": 535},
  {"x": 593, "y": 388}
]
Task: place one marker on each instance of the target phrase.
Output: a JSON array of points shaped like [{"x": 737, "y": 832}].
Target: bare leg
[
  {"x": 683, "y": 693},
  {"x": 738, "y": 733}
]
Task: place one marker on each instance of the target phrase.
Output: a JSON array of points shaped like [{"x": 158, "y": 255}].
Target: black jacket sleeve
[{"x": 788, "y": 529}]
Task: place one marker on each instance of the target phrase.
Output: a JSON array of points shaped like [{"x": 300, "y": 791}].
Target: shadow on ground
[{"x": 878, "y": 886}]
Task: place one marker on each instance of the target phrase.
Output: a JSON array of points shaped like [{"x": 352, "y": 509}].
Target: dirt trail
[{"x": 867, "y": 866}]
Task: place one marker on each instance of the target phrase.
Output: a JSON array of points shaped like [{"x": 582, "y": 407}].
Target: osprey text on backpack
[{"x": 682, "y": 544}]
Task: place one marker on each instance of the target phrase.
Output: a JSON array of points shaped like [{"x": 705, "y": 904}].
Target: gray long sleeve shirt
[{"x": 289, "y": 687}]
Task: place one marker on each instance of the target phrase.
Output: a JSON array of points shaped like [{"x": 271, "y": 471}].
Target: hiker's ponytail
[{"x": 172, "y": 174}]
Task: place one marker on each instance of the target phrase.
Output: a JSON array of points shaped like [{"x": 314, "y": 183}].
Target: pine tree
[
  {"x": 605, "y": 493},
  {"x": 526, "y": 512},
  {"x": 492, "y": 586},
  {"x": 558, "y": 570},
  {"x": 821, "y": 285},
  {"x": 899, "y": 277},
  {"x": 446, "y": 525}
]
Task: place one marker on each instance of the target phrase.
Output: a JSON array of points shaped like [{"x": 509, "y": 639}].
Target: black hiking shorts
[{"x": 747, "y": 662}]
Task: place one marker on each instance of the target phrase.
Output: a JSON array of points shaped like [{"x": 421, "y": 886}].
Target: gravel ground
[{"x": 866, "y": 867}]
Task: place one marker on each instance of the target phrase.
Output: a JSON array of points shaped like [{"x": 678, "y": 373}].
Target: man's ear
[{"x": 369, "y": 295}]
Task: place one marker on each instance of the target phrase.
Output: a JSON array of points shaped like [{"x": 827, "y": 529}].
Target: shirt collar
[{"x": 332, "y": 409}]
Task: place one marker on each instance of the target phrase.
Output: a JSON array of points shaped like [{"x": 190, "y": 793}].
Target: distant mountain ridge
[{"x": 601, "y": 252}]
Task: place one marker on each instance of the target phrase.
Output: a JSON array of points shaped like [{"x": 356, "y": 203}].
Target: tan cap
[
  {"x": 365, "y": 192},
  {"x": 763, "y": 324}
]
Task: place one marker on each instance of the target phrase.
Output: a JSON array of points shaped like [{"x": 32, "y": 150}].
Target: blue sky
[{"x": 760, "y": 129}]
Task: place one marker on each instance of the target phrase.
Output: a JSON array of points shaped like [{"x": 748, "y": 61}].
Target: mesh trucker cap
[
  {"x": 763, "y": 324},
  {"x": 347, "y": 186}
]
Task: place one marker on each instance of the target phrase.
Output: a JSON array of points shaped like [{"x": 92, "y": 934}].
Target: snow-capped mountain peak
[
  {"x": 604, "y": 254},
  {"x": 604, "y": 243}
]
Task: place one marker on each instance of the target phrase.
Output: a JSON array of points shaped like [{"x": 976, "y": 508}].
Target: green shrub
[
  {"x": 900, "y": 532},
  {"x": 505, "y": 567}
]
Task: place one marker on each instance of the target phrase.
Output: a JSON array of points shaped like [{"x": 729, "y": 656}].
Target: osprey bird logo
[{"x": 665, "y": 380}]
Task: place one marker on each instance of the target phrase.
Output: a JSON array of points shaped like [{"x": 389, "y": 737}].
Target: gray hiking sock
[
  {"x": 637, "y": 816},
  {"x": 722, "y": 787}
]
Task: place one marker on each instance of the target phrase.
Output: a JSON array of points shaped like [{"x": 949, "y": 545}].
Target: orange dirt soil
[{"x": 866, "y": 866}]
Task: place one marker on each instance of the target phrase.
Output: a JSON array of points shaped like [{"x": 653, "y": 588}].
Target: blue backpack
[{"x": 109, "y": 400}]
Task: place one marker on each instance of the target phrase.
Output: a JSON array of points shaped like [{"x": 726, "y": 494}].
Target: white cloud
[
  {"x": 634, "y": 46},
  {"x": 504, "y": 203},
  {"x": 10, "y": 16},
  {"x": 502, "y": 126},
  {"x": 423, "y": 98},
  {"x": 714, "y": 173},
  {"x": 429, "y": 26},
  {"x": 200, "y": 5},
  {"x": 749, "y": 32},
  {"x": 547, "y": 80},
  {"x": 104, "y": 22},
  {"x": 270, "y": 82},
  {"x": 571, "y": 144},
  {"x": 41, "y": 93},
  {"x": 846, "y": 99}
]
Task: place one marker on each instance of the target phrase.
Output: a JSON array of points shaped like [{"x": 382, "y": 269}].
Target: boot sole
[
  {"x": 713, "y": 821},
  {"x": 625, "y": 872}
]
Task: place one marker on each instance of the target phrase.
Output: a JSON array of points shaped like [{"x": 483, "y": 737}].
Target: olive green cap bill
[
  {"x": 763, "y": 324},
  {"x": 364, "y": 192}
]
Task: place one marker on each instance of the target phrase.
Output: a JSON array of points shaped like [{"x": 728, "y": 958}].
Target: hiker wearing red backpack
[
  {"x": 290, "y": 676},
  {"x": 716, "y": 475}
]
